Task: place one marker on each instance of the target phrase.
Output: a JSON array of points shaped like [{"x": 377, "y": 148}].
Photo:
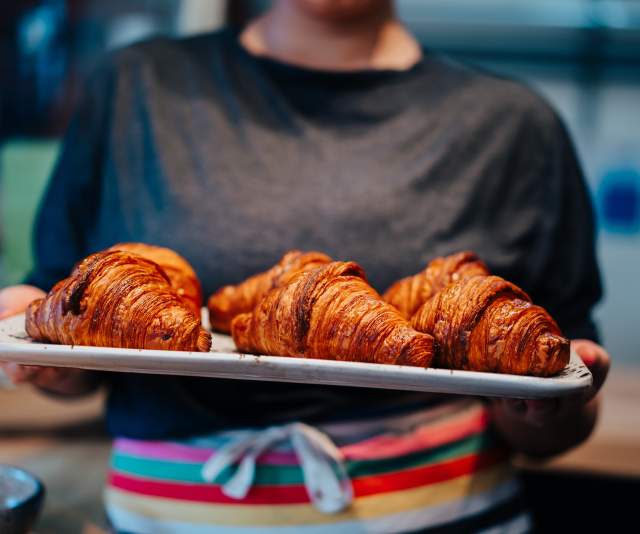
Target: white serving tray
[{"x": 225, "y": 362}]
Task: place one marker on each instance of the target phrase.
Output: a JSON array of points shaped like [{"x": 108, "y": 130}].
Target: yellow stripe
[{"x": 369, "y": 507}]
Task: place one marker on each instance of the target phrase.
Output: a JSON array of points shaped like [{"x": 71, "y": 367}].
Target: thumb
[
  {"x": 597, "y": 361},
  {"x": 16, "y": 299}
]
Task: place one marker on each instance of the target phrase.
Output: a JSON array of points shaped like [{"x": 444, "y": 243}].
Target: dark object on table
[{"x": 21, "y": 498}]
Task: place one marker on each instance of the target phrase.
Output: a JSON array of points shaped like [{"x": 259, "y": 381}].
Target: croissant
[
  {"x": 331, "y": 312},
  {"x": 230, "y": 301},
  {"x": 116, "y": 299},
  {"x": 181, "y": 275},
  {"x": 408, "y": 294},
  {"x": 485, "y": 323}
]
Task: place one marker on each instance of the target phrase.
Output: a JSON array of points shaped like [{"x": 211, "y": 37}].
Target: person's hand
[
  {"x": 540, "y": 412},
  {"x": 541, "y": 428},
  {"x": 14, "y": 300}
]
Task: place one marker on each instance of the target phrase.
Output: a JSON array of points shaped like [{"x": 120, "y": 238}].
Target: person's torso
[{"x": 231, "y": 160}]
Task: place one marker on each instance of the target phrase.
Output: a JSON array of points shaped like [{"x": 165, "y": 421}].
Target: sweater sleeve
[
  {"x": 70, "y": 203},
  {"x": 567, "y": 282}
]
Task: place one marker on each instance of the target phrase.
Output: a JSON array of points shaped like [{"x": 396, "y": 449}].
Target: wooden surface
[{"x": 64, "y": 444}]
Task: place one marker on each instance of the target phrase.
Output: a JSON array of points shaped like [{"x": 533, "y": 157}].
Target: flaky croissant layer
[
  {"x": 485, "y": 323},
  {"x": 408, "y": 294},
  {"x": 331, "y": 312},
  {"x": 180, "y": 272},
  {"x": 116, "y": 299},
  {"x": 230, "y": 301}
]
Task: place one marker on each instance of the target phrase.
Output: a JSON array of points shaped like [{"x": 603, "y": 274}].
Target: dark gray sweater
[{"x": 231, "y": 159}]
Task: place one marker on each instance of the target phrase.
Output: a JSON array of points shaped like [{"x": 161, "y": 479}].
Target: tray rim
[{"x": 236, "y": 365}]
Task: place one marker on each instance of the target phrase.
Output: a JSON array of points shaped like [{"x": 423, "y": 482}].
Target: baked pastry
[
  {"x": 230, "y": 301},
  {"x": 408, "y": 294},
  {"x": 117, "y": 299},
  {"x": 331, "y": 312},
  {"x": 485, "y": 323},
  {"x": 180, "y": 272}
]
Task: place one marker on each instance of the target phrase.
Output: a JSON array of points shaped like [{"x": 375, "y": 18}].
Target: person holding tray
[{"x": 322, "y": 125}]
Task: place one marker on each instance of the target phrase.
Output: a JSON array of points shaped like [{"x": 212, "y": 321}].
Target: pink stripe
[
  {"x": 384, "y": 446},
  {"x": 175, "y": 452},
  {"x": 389, "y": 445}
]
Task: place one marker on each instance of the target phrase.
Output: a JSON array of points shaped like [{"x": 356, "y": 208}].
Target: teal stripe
[
  {"x": 191, "y": 472},
  {"x": 292, "y": 474},
  {"x": 464, "y": 447}
]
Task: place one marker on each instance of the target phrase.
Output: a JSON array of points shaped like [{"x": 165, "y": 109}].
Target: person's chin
[{"x": 339, "y": 10}]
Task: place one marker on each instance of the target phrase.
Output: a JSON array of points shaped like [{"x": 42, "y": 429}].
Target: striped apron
[{"x": 437, "y": 467}]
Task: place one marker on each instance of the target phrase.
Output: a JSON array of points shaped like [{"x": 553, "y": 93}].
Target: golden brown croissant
[
  {"x": 485, "y": 323},
  {"x": 331, "y": 312},
  {"x": 408, "y": 294},
  {"x": 116, "y": 299},
  {"x": 230, "y": 301},
  {"x": 181, "y": 275}
]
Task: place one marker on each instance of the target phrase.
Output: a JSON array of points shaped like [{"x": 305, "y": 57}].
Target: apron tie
[{"x": 322, "y": 463}]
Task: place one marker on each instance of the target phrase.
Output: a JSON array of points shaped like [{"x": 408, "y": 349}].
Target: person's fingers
[
  {"x": 19, "y": 374},
  {"x": 5, "y": 312},
  {"x": 516, "y": 407},
  {"x": 586, "y": 350},
  {"x": 15, "y": 299},
  {"x": 536, "y": 412},
  {"x": 599, "y": 371},
  {"x": 38, "y": 376},
  {"x": 512, "y": 408},
  {"x": 11, "y": 370},
  {"x": 597, "y": 360},
  {"x": 540, "y": 411},
  {"x": 48, "y": 377}
]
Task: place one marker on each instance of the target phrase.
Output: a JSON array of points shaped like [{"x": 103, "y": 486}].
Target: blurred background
[{"x": 583, "y": 55}]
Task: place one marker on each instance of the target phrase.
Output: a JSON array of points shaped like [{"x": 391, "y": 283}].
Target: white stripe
[
  {"x": 516, "y": 525},
  {"x": 401, "y": 522}
]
